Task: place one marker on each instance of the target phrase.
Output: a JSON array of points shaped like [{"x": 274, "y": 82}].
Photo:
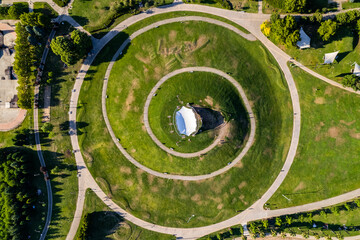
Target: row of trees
[
  {"x": 71, "y": 48},
  {"x": 17, "y": 195},
  {"x": 29, "y": 31}
]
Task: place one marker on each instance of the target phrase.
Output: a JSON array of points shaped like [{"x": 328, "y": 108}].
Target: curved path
[
  {"x": 206, "y": 69},
  {"x": 220, "y": 137},
  {"x": 251, "y": 22},
  {"x": 15, "y": 122},
  {"x": 86, "y": 180}
]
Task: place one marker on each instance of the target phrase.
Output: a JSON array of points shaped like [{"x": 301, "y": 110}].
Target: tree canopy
[
  {"x": 327, "y": 29},
  {"x": 285, "y": 30},
  {"x": 71, "y": 49},
  {"x": 294, "y": 5}
]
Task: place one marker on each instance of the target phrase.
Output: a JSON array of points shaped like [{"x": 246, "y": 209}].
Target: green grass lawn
[
  {"x": 105, "y": 224},
  {"x": 348, "y": 5},
  {"x": 45, "y": 8},
  {"x": 270, "y": 6},
  {"x": 170, "y": 202},
  {"x": 344, "y": 41},
  {"x": 205, "y": 90},
  {"x": 327, "y": 162},
  {"x": 57, "y": 148},
  {"x": 250, "y": 6},
  {"x": 93, "y": 14},
  {"x": 99, "y": 34}
]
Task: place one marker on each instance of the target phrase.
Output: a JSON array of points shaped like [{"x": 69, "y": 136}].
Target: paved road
[{"x": 38, "y": 147}]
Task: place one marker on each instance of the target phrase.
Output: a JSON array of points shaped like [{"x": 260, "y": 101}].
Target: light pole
[{"x": 190, "y": 218}]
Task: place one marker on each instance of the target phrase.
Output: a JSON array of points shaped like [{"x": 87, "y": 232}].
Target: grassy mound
[{"x": 169, "y": 202}]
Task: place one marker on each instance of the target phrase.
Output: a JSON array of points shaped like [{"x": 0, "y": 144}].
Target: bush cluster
[
  {"x": 282, "y": 30},
  {"x": 17, "y": 195},
  {"x": 14, "y": 11},
  {"x": 83, "y": 231},
  {"x": 61, "y": 3},
  {"x": 28, "y": 31},
  {"x": 71, "y": 48}
]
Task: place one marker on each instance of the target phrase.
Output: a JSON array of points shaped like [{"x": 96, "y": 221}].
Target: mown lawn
[
  {"x": 100, "y": 33},
  {"x": 170, "y": 202},
  {"x": 270, "y": 6},
  {"x": 327, "y": 162},
  {"x": 57, "y": 147},
  {"x": 344, "y": 41},
  {"x": 250, "y": 6},
  {"x": 106, "y": 224},
  {"x": 203, "y": 90},
  {"x": 348, "y": 5},
  {"x": 45, "y": 8}
]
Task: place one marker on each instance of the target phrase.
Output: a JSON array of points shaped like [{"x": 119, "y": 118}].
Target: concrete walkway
[{"x": 46, "y": 108}]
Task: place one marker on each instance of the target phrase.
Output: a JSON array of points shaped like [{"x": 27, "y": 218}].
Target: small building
[
  {"x": 186, "y": 121},
  {"x": 304, "y": 40},
  {"x": 356, "y": 70},
  {"x": 329, "y": 58}
]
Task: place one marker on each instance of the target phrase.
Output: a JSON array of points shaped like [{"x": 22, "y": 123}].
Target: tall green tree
[
  {"x": 285, "y": 31},
  {"x": 327, "y": 29},
  {"x": 295, "y": 5}
]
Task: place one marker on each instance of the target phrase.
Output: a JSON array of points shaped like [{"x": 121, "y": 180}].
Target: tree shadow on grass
[{"x": 103, "y": 224}]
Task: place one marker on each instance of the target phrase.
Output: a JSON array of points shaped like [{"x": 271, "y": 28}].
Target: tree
[
  {"x": 39, "y": 31},
  {"x": 347, "y": 206},
  {"x": 289, "y": 220},
  {"x": 327, "y": 29},
  {"x": 15, "y": 11},
  {"x": 265, "y": 223},
  {"x": 285, "y": 31},
  {"x": 278, "y": 221},
  {"x": 323, "y": 214},
  {"x": 357, "y": 202},
  {"x": 335, "y": 210},
  {"x": 358, "y": 26},
  {"x": 47, "y": 127},
  {"x": 266, "y": 28},
  {"x": 294, "y": 5},
  {"x": 82, "y": 42},
  {"x": 351, "y": 81},
  {"x": 64, "y": 48}
]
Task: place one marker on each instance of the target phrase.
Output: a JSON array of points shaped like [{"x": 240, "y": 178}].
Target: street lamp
[{"x": 190, "y": 218}]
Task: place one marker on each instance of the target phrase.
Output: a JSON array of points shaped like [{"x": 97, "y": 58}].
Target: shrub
[
  {"x": 61, "y": 3},
  {"x": 266, "y": 28},
  {"x": 285, "y": 31},
  {"x": 83, "y": 231},
  {"x": 17, "y": 9},
  {"x": 353, "y": 82},
  {"x": 327, "y": 29}
]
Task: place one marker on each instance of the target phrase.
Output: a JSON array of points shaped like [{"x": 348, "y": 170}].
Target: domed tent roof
[{"x": 186, "y": 122}]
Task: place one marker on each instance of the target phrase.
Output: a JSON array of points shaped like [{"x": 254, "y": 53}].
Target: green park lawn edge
[
  {"x": 348, "y": 5},
  {"x": 45, "y": 8},
  {"x": 106, "y": 224},
  {"x": 344, "y": 41},
  {"x": 136, "y": 85},
  {"x": 164, "y": 201},
  {"x": 158, "y": 17},
  {"x": 191, "y": 88},
  {"x": 56, "y": 147},
  {"x": 249, "y": 7},
  {"x": 326, "y": 164}
]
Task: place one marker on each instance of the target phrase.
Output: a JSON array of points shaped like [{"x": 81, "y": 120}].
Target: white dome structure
[{"x": 186, "y": 121}]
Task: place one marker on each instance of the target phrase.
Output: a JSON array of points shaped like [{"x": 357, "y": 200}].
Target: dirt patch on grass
[
  {"x": 268, "y": 152},
  {"x": 154, "y": 189},
  {"x": 242, "y": 184},
  {"x": 126, "y": 170},
  {"x": 334, "y": 132},
  {"x": 146, "y": 60},
  {"x": 150, "y": 178},
  {"x": 172, "y": 35},
  {"x": 347, "y": 123},
  {"x": 354, "y": 134},
  {"x": 209, "y": 100},
  {"x": 239, "y": 165},
  {"x": 193, "y": 46},
  {"x": 299, "y": 187},
  {"x": 328, "y": 91},
  {"x": 232, "y": 191},
  {"x": 319, "y": 100},
  {"x": 196, "y": 197},
  {"x": 220, "y": 206}
]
